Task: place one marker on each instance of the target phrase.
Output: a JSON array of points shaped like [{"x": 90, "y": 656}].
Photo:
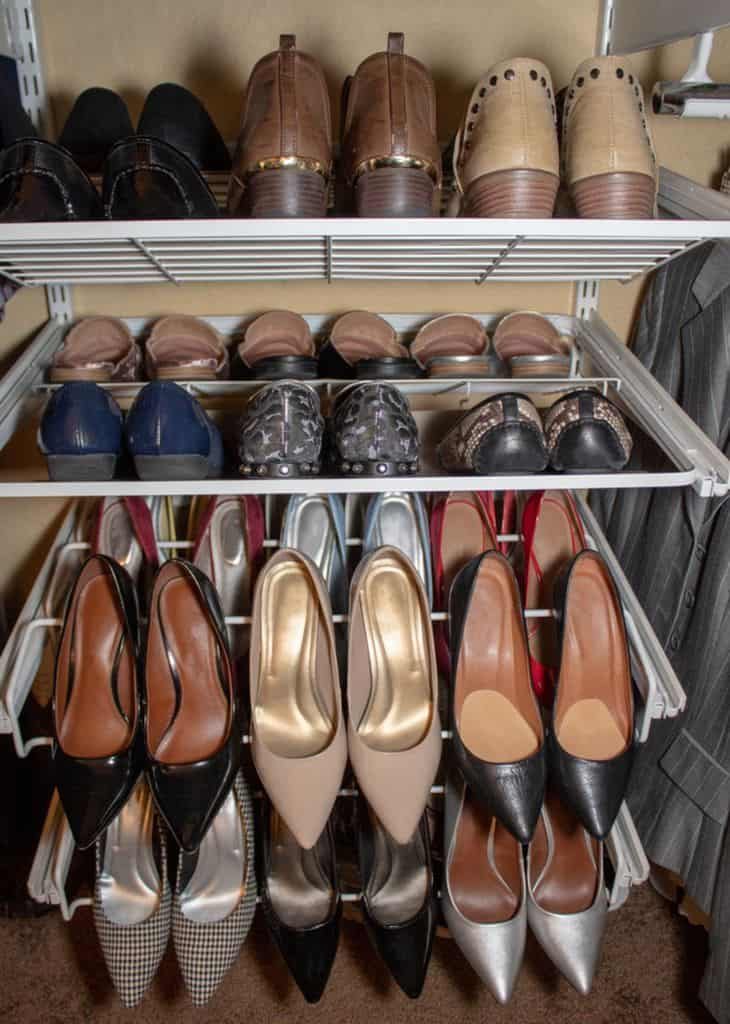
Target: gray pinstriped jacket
[{"x": 675, "y": 548}]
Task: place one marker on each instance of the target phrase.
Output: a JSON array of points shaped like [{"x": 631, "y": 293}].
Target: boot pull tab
[
  {"x": 287, "y": 42},
  {"x": 395, "y": 42}
]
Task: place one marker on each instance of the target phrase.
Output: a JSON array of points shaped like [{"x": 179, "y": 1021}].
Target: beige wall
[{"x": 132, "y": 46}]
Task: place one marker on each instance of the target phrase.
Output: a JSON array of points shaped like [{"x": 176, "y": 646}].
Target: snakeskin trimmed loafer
[{"x": 585, "y": 432}]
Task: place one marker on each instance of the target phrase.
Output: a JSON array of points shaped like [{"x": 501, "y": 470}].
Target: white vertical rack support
[{"x": 21, "y": 23}]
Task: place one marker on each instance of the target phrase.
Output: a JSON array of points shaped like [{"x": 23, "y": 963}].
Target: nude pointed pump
[
  {"x": 298, "y": 734},
  {"x": 394, "y": 730}
]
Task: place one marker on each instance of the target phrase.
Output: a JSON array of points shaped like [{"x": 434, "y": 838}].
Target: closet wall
[{"x": 131, "y": 47}]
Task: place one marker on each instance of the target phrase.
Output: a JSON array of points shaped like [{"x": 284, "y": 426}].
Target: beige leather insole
[
  {"x": 399, "y": 708},
  {"x": 496, "y": 712},
  {"x": 88, "y": 721},
  {"x": 485, "y": 878},
  {"x": 557, "y": 539},
  {"x": 201, "y": 724},
  {"x": 593, "y": 716},
  {"x": 465, "y": 535},
  {"x": 570, "y": 870},
  {"x": 293, "y": 713}
]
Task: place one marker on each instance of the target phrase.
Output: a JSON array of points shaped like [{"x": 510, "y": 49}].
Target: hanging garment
[{"x": 675, "y": 549}]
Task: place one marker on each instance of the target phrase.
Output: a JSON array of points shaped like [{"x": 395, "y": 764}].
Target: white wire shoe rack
[
  {"x": 683, "y": 456},
  {"x": 661, "y": 694}
]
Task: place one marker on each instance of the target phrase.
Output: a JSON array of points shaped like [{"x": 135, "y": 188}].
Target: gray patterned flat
[
  {"x": 281, "y": 431},
  {"x": 373, "y": 432}
]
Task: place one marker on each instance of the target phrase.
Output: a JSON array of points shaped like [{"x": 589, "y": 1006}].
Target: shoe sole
[
  {"x": 515, "y": 193},
  {"x": 286, "y": 192},
  {"x": 395, "y": 192},
  {"x": 81, "y": 467},
  {"x": 615, "y": 196},
  {"x": 171, "y": 467}
]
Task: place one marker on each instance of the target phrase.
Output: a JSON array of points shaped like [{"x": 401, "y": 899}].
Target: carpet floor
[{"x": 54, "y": 973}]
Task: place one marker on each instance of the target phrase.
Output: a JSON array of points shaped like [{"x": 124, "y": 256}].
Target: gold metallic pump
[
  {"x": 298, "y": 735},
  {"x": 394, "y": 731}
]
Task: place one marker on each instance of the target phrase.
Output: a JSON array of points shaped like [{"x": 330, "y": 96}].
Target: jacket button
[
  {"x": 689, "y": 599},
  {"x": 674, "y": 642}
]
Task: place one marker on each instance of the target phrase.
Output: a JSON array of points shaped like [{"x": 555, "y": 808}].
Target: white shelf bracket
[
  {"x": 60, "y": 302},
  {"x": 21, "y": 21},
  {"x": 586, "y": 298}
]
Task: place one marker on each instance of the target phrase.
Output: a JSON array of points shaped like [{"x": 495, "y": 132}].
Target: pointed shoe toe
[
  {"x": 498, "y": 733},
  {"x": 190, "y": 795},
  {"x": 513, "y": 792},
  {"x": 92, "y": 792},
  {"x": 301, "y": 901},
  {"x": 483, "y": 890},
  {"x": 309, "y": 952},
  {"x": 594, "y": 790},
  {"x": 567, "y": 901},
  {"x": 398, "y": 903}
]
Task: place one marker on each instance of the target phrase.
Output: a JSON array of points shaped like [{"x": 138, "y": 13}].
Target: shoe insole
[
  {"x": 466, "y": 533},
  {"x": 293, "y": 712},
  {"x": 564, "y": 861},
  {"x": 300, "y": 882},
  {"x": 396, "y": 526},
  {"x": 218, "y": 881},
  {"x": 89, "y": 721},
  {"x": 558, "y": 537},
  {"x": 129, "y": 882},
  {"x": 223, "y": 557},
  {"x": 399, "y": 707},
  {"x": 497, "y": 716},
  {"x": 191, "y": 724},
  {"x": 400, "y": 879},
  {"x": 309, "y": 529},
  {"x": 118, "y": 540},
  {"x": 485, "y": 877},
  {"x": 593, "y": 714}
]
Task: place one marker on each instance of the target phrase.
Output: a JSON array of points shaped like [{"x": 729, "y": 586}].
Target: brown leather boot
[
  {"x": 284, "y": 155},
  {"x": 608, "y": 156},
  {"x": 390, "y": 151}
]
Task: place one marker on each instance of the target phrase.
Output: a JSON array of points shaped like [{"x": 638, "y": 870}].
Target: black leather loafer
[
  {"x": 146, "y": 178},
  {"x": 174, "y": 115},
  {"x": 585, "y": 432},
  {"x": 98, "y": 120},
  {"x": 192, "y": 727},
  {"x": 502, "y": 434},
  {"x": 301, "y": 901},
  {"x": 498, "y": 737},
  {"x": 591, "y": 740},
  {"x": 42, "y": 182},
  {"x": 97, "y": 749},
  {"x": 398, "y": 902}
]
